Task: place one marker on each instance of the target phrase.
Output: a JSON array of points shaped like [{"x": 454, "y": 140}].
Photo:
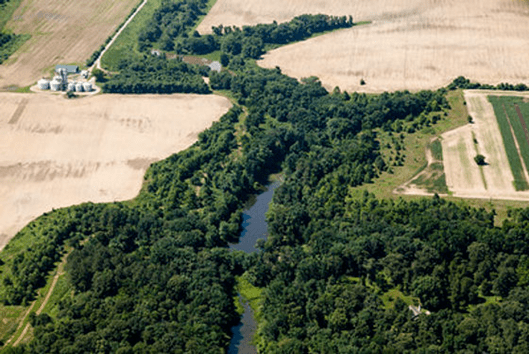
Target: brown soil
[
  {"x": 410, "y": 45},
  {"x": 61, "y": 152},
  {"x": 63, "y": 31}
]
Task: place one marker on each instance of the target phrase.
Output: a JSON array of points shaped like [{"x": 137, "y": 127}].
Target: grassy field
[
  {"x": 414, "y": 149},
  {"x": 390, "y": 297},
  {"x": 7, "y": 11},
  {"x": 437, "y": 150},
  {"x": 252, "y": 294},
  {"x": 504, "y": 121},
  {"x": 415, "y": 162},
  {"x": 126, "y": 45},
  {"x": 519, "y": 132}
]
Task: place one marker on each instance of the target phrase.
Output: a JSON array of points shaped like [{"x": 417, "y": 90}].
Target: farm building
[{"x": 71, "y": 69}]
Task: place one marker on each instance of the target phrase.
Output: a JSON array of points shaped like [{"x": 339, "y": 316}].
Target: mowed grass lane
[{"x": 505, "y": 116}]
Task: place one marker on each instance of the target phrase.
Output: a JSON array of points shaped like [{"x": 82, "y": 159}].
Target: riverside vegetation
[{"x": 339, "y": 268}]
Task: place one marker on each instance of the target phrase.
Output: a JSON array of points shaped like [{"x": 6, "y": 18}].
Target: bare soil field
[
  {"x": 252, "y": 12},
  {"x": 410, "y": 44},
  {"x": 63, "y": 31},
  {"x": 464, "y": 177},
  {"x": 56, "y": 152}
]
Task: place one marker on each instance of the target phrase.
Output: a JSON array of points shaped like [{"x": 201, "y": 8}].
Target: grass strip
[
  {"x": 517, "y": 126},
  {"x": 126, "y": 44},
  {"x": 520, "y": 182}
]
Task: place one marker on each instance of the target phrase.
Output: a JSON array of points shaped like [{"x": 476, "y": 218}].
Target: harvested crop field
[
  {"x": 63, "y": 31},
  {"x": 56, "y": 152},
  {"x": 486, "y": 136},
  {"x": 410, "y": 44}
]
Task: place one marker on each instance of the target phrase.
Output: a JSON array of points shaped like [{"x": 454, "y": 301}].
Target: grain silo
[
  {"x": 79, "y": 87},
  {"x": 55, "y": 85},
  {"x": 71, "y": 86},
  {"x": 43, "y": 84},
  {"x": 87, "y": 86}
]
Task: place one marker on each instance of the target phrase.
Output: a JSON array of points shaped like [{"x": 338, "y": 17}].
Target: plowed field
[
  {"x": 410, "y": 44},
  {"x": 56, "y": 152},
  {"x": 63, "y": 31}
]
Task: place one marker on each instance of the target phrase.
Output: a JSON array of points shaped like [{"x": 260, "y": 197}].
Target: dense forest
[
  {"x": 329, "y": 275},
  {"x": 173, "y": 19},
  {"x": 153, "y": 74},
  {"x": 155, "y": 275}
]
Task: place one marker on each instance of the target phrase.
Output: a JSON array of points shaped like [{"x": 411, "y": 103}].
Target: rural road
[{"x": 97, "y": 63}]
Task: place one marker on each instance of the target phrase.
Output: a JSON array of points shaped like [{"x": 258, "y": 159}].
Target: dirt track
[
  {"x": 410, "y": 44},
  {"x": 61, "y": 152}
]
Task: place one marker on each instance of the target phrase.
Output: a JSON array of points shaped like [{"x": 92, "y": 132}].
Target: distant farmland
[
  {"x": 511, "y": 120},
  {"x": 410, "y": 45},
  {"x": 63, "y": 31},
  {"x": 499, "y": 133}
]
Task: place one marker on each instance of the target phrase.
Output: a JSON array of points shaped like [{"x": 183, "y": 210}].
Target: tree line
[
  {"x": 152, "y": 74},
  {"x": 155, "y": 275}
]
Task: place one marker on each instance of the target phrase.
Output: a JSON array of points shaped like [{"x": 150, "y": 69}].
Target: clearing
[
  {"x": 56, "y": 152},
  {"x": 63, "y": 31},
  {"x": 464, "y": 177},
  {"x": 410, "y": 45}
]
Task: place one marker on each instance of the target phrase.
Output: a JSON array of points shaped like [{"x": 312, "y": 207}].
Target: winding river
[{"x": 254, "y": 228}]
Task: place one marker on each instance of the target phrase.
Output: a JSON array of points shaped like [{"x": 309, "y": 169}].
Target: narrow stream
[{"x": 254, "y": 228}]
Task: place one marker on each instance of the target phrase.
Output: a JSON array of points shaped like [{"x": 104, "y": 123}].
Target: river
[{"x": 254, "y": 228}]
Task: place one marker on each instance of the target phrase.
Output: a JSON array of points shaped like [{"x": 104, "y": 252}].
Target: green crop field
[
  {"x": 517, "y": 125},
  {"x": 504, "y": 121}
]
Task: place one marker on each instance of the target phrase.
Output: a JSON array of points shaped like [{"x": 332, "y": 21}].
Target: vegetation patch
[
  {"x": 513, "y": 155},
  {"x": 436, "y": 149},
  {"x": 9, "y": 43},
  {"x": 126, "y": 44}
]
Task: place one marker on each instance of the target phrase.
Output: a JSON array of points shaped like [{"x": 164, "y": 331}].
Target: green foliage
[
  {"x": 504, "y": 122},
  {"x": 438, "y": 251},
  {"x": 171, "y": 20},
  {"x": 480, "y": 160},
  {"x": 465, "y": 84},
  {"x": 126, "y": 44},
  {"x": 251, "y": 41},
  {"x": 155, "y": 75},
  {"x": 99, "y": 75},
  {"x": 9, "y": 43},
  {"x": 437, "y": 150}
]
